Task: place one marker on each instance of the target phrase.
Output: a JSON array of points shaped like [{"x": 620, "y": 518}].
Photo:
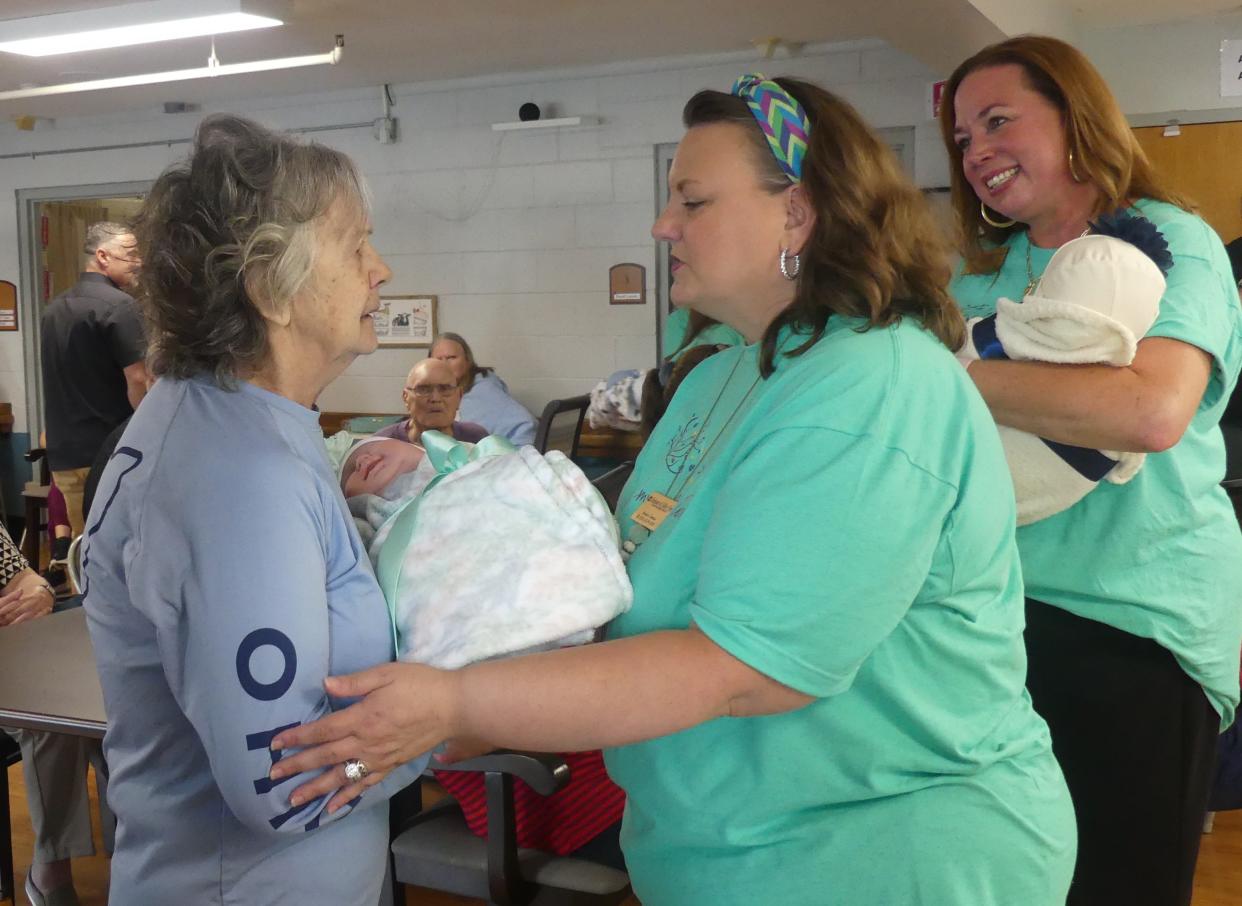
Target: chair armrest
[
  {"x": 39, "y": 454},
  {"x": 543, "y": 429},
  {"x": 542, "y": 772}
]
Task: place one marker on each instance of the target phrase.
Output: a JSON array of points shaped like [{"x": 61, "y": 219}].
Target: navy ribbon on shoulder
[{"x": 987, "y": 344}]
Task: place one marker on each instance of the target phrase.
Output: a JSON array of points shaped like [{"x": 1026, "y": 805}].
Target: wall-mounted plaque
[
  {"x": 627, "y": 284},
  {"x": 8, "y": 306}
]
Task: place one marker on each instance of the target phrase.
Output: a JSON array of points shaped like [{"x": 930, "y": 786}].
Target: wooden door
[{"x": 1204, "y": 163}]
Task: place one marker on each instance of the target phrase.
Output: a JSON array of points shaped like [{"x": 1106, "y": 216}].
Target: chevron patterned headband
[{"x": 781, "y": 118}]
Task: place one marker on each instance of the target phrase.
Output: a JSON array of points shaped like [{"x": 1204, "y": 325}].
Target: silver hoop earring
[{"x": 790, "y": 273}]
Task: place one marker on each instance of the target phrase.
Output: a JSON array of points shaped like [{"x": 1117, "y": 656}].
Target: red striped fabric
[{"x": 560, "y": 823}]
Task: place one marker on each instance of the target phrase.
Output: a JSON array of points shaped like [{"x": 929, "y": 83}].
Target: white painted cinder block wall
[{"x": 514, "y": 232}]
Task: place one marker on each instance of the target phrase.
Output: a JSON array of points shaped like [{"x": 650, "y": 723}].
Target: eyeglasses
[{"x": 425, "y": 391}]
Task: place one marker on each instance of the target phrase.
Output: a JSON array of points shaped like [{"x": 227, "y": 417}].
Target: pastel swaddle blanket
[
  {"x": 371, "y": 511},
  {"x": 1097, "y": 298},
  {"x": 504, "y": 550}
]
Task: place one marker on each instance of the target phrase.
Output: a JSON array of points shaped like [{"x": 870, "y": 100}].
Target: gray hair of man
[
  {"x": 228, "y": 239},
  {"x": 103, "y": 233}
]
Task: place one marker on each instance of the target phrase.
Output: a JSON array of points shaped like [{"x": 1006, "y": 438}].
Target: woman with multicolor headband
[
  {"x": 1133, "y": 623},
  {"x": 818, "y": 694}
]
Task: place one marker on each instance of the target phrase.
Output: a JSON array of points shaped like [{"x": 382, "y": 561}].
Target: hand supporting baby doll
[{"x": 1098, "y": 296}]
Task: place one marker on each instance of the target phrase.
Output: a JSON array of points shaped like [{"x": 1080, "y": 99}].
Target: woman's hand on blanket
[{"x": 406, "y": 710}]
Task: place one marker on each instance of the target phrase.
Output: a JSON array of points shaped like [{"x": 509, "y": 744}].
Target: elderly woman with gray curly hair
[{"x": 212, "y": 631}]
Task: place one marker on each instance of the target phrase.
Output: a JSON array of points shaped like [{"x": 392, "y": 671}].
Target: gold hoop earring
[
  {"x": 1073, "y": 173},
  {"x": 998, "y": 224}
]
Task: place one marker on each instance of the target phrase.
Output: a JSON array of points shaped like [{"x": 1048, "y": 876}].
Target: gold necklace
[{"x": 1031, "y": 280}]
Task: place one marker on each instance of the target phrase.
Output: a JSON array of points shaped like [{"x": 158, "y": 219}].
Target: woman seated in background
[
  {"x": 817, "y": 696},
  {"x": 485, "y": 398},
  {"x": 224, "y": 576}
]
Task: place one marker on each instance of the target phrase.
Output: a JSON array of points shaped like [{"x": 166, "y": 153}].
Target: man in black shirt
[{"x": 92, "y": 357}]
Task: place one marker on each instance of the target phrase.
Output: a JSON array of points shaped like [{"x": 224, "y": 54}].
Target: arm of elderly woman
[
  {"x": 25, "y": 597},
  {"x": 246, "y": 631},
  {"x": 24, "y": 594},
  {"x": 1143, "y": 407},
  {"x": 681, "y": 676}
]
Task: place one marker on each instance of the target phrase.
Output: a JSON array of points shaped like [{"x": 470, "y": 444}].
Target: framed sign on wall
[
  {"x": 8, "y": 306},
  {"x": 406, "y": 321}
]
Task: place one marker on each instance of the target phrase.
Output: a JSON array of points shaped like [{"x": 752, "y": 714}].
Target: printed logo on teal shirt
[{"x": 684, "y": 445}]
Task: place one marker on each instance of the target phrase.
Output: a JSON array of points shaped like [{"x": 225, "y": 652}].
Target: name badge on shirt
[{"x": 655, "y": 510}]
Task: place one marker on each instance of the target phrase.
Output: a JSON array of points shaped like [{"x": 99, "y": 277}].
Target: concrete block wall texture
[{"x": 514, "y": 232}]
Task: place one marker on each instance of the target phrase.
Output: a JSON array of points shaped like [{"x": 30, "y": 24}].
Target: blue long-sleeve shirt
[
  {"x": 489, "y": 404},
  {"x": 224, "y": 581}
]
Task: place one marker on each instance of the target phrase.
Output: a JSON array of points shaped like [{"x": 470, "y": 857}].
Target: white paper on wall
[{"x": 1231, "y": 68}]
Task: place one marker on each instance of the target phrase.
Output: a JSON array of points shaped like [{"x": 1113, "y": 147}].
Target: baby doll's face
[{"x": 373, "y": 465}]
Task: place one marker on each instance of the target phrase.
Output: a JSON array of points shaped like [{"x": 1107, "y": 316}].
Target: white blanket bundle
[
  {"x": 501, "y": 553},
  {"x": 1096, "y": 299}
]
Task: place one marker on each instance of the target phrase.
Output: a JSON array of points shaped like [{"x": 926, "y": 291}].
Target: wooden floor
[{"x": 1218, "y": 882}]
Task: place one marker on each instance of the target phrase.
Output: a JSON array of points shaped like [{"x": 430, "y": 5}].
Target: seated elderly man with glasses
[{"x": 431, "y": 398}]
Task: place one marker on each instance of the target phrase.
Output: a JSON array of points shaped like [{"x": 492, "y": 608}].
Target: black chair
[
  {"x": 10, "y": 754},
  {"x": 34, "y": 499},
  {"x": 434, "y": 848},
  {"x": 556, "y": 434}
]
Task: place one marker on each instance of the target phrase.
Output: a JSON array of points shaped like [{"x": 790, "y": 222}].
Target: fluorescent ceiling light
[
  {"x": 134, "y": 23},
  {"x": 332, "y": 57}
]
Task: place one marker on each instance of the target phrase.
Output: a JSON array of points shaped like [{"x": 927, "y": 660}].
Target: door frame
[{"x": 29, "y": 284}]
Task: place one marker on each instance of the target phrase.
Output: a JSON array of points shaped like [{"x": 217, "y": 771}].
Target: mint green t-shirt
[
  {"x": 850, "y": 534},
  {"x": 679, "y": 322},
  {"x": 1161, "y": 556}
]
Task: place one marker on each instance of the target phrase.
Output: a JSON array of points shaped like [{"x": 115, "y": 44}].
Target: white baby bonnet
[{"x": 1097, "y": 298}]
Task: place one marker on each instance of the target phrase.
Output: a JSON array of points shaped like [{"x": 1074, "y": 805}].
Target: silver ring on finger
[{"x": 356, "y": 769}]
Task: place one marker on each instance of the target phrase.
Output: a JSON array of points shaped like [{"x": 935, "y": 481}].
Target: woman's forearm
[
  {"x": 22, "y": 580},
  {"x": 1143, "y": 407},
  {"x": 26, "y": 596},
  {"x": 612, "y": 694},
  {"x": 601, "y": 695}
]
